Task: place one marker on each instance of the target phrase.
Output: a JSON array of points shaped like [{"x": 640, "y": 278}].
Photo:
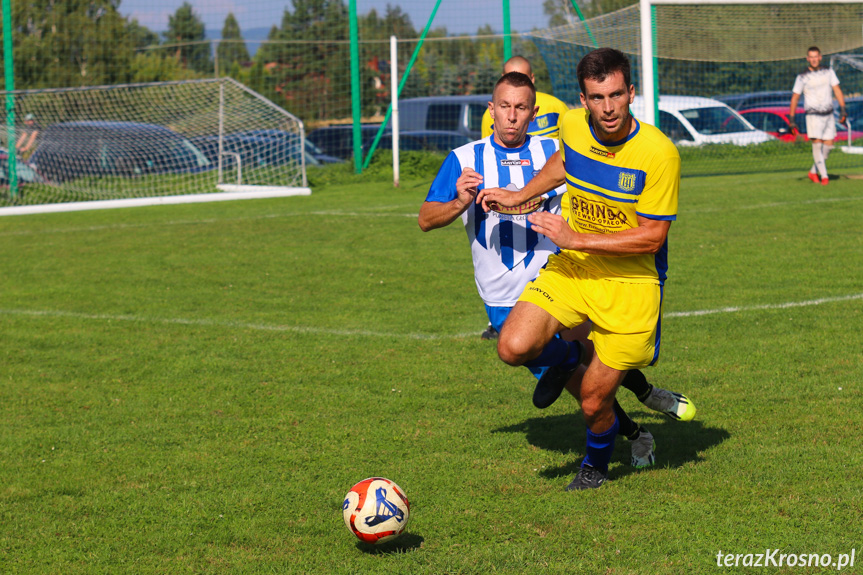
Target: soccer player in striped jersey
[
  {"x": 622, "y": 179},
  {"x": 546, "y": 122},
  {"x": 507, "y": 253}
]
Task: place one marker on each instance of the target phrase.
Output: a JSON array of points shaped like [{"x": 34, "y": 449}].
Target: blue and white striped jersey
[{"x": 507, "y": 253}]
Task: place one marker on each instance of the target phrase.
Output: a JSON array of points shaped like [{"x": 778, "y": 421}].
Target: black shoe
[
  {"x": 551, "y": 384},
  {"x": 489, "y": 333},
  {"x": 588, "y": 478}
]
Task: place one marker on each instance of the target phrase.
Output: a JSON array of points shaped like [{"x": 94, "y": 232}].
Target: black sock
[
  {"x": 635, "y": 435},
  {"x": 635, "y": 382},
  {"x": 627, "y": 426}
]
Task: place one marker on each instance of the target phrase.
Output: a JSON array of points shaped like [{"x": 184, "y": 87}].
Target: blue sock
[
  {"x": 600, "y": 447},
  {"x": 556, "y": 352}
]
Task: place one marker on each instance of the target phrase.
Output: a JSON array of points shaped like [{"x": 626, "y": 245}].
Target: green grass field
[{"x": 193, "y": 389}]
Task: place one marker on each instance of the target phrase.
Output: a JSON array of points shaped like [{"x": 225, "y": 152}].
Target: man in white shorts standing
[{"x": 818, "y": 86}]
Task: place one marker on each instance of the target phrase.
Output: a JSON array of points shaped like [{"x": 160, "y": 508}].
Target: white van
[
  {"x": 462, "y": 114},
  {"x": 692, "y": 121}
]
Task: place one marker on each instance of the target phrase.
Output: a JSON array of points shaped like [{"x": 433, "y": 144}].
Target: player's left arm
[
  {"x": 840, "y": 97},
  {"x": 647, "y": 238}
]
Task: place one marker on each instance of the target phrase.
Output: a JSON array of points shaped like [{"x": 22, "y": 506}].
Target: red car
[{"x": 774, "y": 121}]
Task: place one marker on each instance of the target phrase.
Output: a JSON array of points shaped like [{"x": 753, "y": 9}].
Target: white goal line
[
  {"x": 231, "y": 193},
  {"x": 786, "y": 305},
  {"x": 367, "y": 333}
]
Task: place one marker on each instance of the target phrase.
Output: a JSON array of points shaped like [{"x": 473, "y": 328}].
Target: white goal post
[
  {"x": 647, "y": 38},
  {"x": 148, "y": 144}
]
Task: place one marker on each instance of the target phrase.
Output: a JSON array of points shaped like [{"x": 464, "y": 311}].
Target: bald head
[{"x": 519, "y": 64}]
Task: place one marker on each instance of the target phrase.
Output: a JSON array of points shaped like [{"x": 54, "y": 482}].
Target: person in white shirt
[{"x": 818, "y": 85}]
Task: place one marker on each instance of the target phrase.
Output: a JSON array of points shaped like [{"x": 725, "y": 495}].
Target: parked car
[
  {"x": 27, "y": 173},
  {"x": 260, "y": 148},
  {"x": 338, "y": 140},
  {"x": 774, "y": 121},
  {"x": 428, "y": 140},
  {"x": 314, "y": 155},
  {"x": 691, "y": 120},
  {"x": 95, "y": 148},
  {"x": 757, "y": 99},
  {"x": 461, "y": 114}
]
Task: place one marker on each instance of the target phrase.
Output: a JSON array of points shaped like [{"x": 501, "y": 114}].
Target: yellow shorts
[{"x": 625, "y": 315}]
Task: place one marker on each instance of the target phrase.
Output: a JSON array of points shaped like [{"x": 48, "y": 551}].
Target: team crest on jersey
[
  {"x": 515, "y": 162},
  {"x": 603, "y": 153},
  {"x": 626, "y": 181},
  {"x": 542, "y": 122}
]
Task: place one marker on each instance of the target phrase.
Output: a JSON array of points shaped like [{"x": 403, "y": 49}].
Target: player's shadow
[
  {"x": 677, "y": 443},
  {"x": 404, "y": 543}
]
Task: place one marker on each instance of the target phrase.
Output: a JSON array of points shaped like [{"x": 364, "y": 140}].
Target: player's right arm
[
  {"x": 435, "y": 213},
  {"x": 795, "y": 98},
  {"x": 549, "y": 177}
]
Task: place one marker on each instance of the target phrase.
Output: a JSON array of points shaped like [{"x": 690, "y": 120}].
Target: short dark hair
[
  {"x": 813, "y": 49},
  {"x": 601, "y": 63},
  {"x": 516, "y": 80}
]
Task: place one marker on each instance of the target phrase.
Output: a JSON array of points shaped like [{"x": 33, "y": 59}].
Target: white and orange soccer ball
[{"x": 376, "y": 510}]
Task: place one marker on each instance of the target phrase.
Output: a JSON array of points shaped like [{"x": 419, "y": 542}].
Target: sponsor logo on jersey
[
  {"x": 515, "y": 162},
  {"x": 525, "y": 208},
  {"x": 598, "y": 213},
  {"x": 603, "y": 153},
  {"x": 542, "y": 122},
  {"x": 626, "y": 181}
]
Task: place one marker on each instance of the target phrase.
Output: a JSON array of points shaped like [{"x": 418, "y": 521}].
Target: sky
[{"x": 458, "y": 16}]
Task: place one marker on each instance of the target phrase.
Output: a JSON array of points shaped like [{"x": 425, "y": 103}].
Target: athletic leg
[
  {"x": 526, "y": 333},
  {"x": 598, "y": 387},
  {"x": 826, "y": 148},
  {"x": 637, "y": 383},
  {"x": 818, "y": 156}
]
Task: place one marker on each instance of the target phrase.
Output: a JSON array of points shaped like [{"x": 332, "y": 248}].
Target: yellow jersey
[{"x": 610, "y": 184}]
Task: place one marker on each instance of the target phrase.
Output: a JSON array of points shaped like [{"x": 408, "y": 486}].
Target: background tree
[
  {"x": 187, "y": 36},
  {"x": 63, "y": 44},
  {"x": 141, "y": 36},
  {"x": 375, "y": 72},
  {"x": 232, "y": 48},
  {"x": 311, "y": 79}
]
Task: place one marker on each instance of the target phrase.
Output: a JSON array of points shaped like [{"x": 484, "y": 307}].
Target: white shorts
[{"x": 820, "y": 127}]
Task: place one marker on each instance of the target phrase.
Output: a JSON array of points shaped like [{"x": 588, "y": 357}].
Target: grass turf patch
[{"x": 195, "y": 388}]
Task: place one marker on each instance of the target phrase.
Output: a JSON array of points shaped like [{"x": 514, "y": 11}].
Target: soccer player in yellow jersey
[
  {"x": 551, "y": 110},
  {"x": 622, "y": 180}
]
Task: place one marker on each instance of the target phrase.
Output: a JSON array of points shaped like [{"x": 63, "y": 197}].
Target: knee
[
  {"x": 596, "y": 407},
  {"x": 512, "y": 349}
]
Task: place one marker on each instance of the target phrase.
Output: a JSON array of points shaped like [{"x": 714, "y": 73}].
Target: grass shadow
[
  {"x": 677, "y": 443},
  {"x": 404, "y": 543}
]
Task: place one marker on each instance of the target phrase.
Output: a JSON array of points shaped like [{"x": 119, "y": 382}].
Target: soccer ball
[{"x": 376, "y": 510}]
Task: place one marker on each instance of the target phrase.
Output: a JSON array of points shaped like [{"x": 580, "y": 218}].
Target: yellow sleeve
[
  {"x": 662, "y": 188},
  {"x": 549, "y": 116},
  {"x": 487, "y": 125}
]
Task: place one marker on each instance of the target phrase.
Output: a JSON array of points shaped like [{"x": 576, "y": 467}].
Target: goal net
[
  {"x": 743, "y": 55},
  {"x": 197, "y": 140}
]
